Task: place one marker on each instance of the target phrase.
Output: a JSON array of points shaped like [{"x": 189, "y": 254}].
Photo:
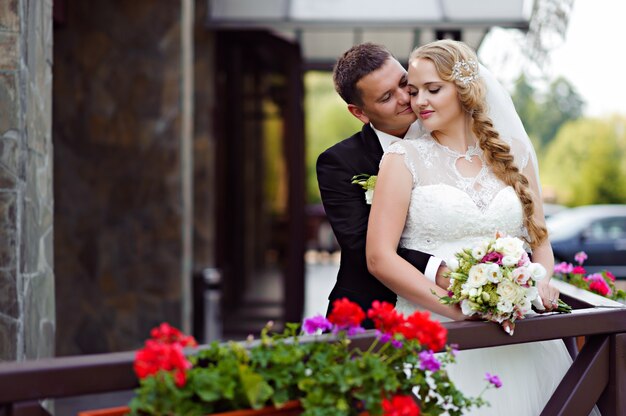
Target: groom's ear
[{"x": 358, "y": 113}]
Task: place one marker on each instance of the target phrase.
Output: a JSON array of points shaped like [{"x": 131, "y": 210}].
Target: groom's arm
[
  {"x": 344, "y": 202},
  {"x": 348, "y": 213}
]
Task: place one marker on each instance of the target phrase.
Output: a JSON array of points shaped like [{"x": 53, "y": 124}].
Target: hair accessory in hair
[{"x": 465, "y": 71}]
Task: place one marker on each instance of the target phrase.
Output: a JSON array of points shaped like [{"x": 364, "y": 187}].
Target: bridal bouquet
[{"x": 496, "y": 280}]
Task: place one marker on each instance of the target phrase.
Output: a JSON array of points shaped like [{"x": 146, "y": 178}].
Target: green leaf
[{"x": 257, "y": 391}]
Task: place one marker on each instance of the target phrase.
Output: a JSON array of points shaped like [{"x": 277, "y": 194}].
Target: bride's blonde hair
[{"x": 457, "y": 63}]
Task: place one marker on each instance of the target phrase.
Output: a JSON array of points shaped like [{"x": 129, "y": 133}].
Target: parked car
[
  {"x": 551, "y": 209},
  {"x": 598, "y": 230}
]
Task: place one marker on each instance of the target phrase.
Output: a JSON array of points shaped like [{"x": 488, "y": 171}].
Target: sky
[{"x": 592, "y": 56}]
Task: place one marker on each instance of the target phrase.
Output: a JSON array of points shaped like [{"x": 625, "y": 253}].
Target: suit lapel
[{"x": 373, "y": 149}]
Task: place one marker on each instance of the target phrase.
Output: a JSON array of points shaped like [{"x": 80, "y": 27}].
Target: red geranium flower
[
  {"x": 346, "y": 314},
  {"x": 167, "y": 334},
  {"x": 385, "y": 317},
  {"x": 579, "y": 270},
  {"x": 600, "y": 286},
  {"x": 164, "y": 353},
  {"x": 400, "y": 405},
  {"x": 610, "y": 275},
  {"x": 431, "y": 334}
]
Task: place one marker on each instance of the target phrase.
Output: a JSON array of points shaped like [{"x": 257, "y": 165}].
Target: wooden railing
[{"x": 597, "y": 375}]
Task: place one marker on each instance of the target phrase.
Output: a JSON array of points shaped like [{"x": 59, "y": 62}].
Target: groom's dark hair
[{"x": 357, "y": 62}]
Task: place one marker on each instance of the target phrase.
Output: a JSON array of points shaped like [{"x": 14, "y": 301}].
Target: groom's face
[{"x": 386, "y": 101}]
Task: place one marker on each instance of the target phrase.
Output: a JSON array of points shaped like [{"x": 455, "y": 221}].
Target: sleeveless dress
[{"x": 447, "y": 212}]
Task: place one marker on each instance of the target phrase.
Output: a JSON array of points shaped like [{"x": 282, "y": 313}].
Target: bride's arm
[
  {"x": 542, "y": 254},
  {"x": 386, "y": 222}
]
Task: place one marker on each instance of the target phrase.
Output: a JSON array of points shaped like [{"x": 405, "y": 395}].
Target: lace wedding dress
[{"x": 449, "y": 211}]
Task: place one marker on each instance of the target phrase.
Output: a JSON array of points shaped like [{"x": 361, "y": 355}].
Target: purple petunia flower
[
  {"x": 454, "y": 349},
  {"x": 353, "y": 330},
  {"x": 494, "y": 380},
  {"x": 428, "y": 361},
  {"x": 396, "y": 343},
  {"x": 312, "y": 325}
]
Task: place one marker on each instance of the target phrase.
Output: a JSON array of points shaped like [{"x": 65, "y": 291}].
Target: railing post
[
  {"x": 31, "y": 408},
  {"x": 613, "y": 400}
]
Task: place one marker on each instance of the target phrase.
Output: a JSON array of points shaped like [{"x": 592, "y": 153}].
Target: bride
[{"x": 455, "y": 186}]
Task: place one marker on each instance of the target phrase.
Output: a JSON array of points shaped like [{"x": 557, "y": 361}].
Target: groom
[{"x": 374, "y": 85}]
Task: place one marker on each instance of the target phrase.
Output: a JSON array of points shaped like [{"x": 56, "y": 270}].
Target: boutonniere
[{"x": 367, "y": 182}]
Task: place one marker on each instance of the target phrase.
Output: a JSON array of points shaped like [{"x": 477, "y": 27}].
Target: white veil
[{"x": 506, "y": 120}]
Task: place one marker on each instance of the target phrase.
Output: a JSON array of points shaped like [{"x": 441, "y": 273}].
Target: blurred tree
[
  {"x": 327, "y": 122},
  {"x": 543, "y": 117},
  {"x": 585, "y": 163},
  {"x": 524, "y": 99},
  {"x": 562, "y": 103}
]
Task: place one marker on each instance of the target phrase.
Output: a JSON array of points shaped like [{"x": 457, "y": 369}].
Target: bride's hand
[
  {"x": 508, "y": 326},
  {"x": 549, "y": 295}
]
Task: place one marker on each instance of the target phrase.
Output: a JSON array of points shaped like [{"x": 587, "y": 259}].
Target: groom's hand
[{"x": 441, "y": 279}]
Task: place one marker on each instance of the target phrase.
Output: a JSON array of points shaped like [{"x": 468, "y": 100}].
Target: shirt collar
[{"x": 415, "y": 130}]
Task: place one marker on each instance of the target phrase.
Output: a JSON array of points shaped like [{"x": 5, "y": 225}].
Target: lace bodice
[{"x": 447, "y": 210}]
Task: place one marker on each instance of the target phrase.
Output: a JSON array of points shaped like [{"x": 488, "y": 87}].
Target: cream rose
[
  {"x": 477, "y": 275},
  {"x": 509, "y": 291}
]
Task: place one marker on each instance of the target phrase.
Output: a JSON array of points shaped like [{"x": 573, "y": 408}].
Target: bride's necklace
[{"x": 472, "y": 150}]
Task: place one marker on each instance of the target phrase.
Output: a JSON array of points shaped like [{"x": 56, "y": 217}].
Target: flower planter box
[{"x": 292, "y": 408}]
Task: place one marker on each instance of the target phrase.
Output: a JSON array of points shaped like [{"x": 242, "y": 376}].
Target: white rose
[
  {"x": 494, "y": 274},
  {"x": 537, "y": 271},
  {"x": 509, "y": 291},
  {"x": 466, "y": 308},
  {"x": 453, "y": 264},
  {"x": 477, "y": 275},
  {"x": 369, "y": 196},
  {"x": 510, "y": 246}
]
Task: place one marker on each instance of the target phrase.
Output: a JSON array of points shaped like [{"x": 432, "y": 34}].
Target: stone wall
[
  {"x": 117, "y": 175},
  {"x": 27, "y": 318}
]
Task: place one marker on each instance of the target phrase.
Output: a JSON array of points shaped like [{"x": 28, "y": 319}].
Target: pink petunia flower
[{"x": 580, "y": 257}]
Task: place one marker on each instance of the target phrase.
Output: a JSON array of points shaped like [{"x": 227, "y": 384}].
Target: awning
[{"x": 326, "y": 28}]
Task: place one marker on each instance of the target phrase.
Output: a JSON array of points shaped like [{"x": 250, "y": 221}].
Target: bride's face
[{"x": 434, "y": 100}]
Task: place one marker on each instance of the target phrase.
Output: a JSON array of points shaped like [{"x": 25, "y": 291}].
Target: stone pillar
[{"x": 27, "y": 317}]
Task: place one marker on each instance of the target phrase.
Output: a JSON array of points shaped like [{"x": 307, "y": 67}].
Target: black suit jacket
[{"x": 348, "y": 214}]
